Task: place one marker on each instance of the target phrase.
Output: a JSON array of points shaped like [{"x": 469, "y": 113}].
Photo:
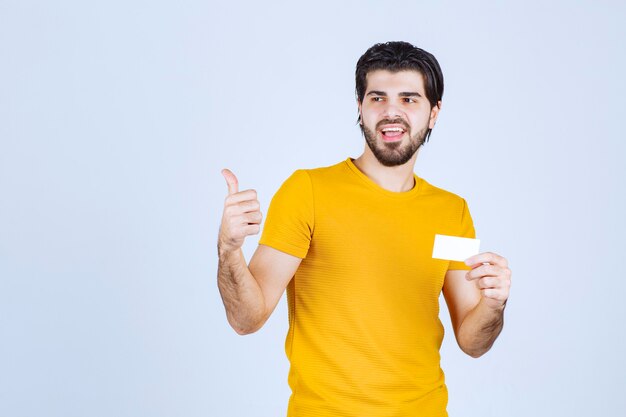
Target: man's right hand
[
  {"x": 242, "y": 215},
  {"x": 250, "y": 293}
]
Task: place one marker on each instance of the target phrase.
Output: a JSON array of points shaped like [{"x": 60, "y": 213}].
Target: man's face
[{"x": 395, "y": 115}]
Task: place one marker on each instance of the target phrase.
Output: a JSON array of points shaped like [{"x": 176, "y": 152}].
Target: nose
[{"x": 391, "y": 111}]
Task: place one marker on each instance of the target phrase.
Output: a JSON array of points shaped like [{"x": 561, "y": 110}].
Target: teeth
[{"x": 393, "y": 129}]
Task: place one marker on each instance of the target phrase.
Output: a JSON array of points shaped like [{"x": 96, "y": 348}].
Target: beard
[{"x": 392, "y": 154}]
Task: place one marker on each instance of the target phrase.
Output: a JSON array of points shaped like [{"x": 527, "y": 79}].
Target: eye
[
  {"x": 377, "y": 99},
  {"x": 409, "y": 100}
]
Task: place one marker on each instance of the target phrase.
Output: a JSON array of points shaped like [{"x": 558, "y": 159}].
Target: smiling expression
[{"x": 395, "y": 115}]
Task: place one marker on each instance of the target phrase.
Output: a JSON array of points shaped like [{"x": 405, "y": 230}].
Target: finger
[
  {"x": 484, "y": 270},
  {"x": 231, "y": 180},
  {"x": 252, "y": 229},
  {"x": 252, "y": 218},
  {"x": 493, "y": 293},
  {"x": 238, "y": 222},
  {"x": 239, "y": 227},
  {"x": 487, "y": 257},
  {"x": 236, "y": 209},
  {"x": 246, "y": 195},
  {"x": 489, "y": 282},
  {"x": 249, "y": 206}
]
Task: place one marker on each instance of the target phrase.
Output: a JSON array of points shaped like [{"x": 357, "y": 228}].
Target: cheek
[
  {"x": 368, "y": 118},
  {"x": 420, "y": 121}
]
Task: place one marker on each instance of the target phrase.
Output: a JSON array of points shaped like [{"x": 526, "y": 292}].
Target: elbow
[
  {"x": 242, "y": 332},
  {"x": 246, "y": 320},
  {"x": 243, "y": 329},
  {"x": 474, "y": 353},
  {"x": 473, "y": 349}
]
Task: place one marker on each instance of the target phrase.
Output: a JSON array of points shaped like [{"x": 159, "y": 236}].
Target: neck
[{"x": 397, "y": 178}]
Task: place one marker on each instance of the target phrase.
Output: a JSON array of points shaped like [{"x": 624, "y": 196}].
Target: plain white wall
[{"x": 116, "y": 118}]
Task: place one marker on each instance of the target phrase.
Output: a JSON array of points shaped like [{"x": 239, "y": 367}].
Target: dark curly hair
[{"x": 399, "y": 56}]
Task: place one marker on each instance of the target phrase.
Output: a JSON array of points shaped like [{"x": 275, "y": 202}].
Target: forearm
[
  {"x": 480, "y": 329},
  {"x": 241, "y": 294}
]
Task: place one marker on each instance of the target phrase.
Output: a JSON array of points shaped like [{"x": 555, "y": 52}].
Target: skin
[{"x": 475, "y": 298}]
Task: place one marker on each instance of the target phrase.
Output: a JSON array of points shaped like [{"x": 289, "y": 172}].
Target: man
[{"x": 352, "y": 244}]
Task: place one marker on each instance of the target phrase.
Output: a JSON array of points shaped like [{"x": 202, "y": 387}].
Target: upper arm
[
  {"x": 461, "y": 296},
  {"x": 285, "y": 239},
  {"x": 272, "y": 269}
]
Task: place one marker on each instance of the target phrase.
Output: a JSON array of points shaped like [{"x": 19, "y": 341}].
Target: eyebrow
[{"x": 403, "y": 94}]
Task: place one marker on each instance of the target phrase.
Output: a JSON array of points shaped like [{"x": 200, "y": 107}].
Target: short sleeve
[
  {"x": 290, "y": 218},
  {"x": 466, "y": 229}
]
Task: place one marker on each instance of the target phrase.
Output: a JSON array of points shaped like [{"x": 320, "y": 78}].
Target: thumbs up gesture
[{"x": 242, "y": 215}]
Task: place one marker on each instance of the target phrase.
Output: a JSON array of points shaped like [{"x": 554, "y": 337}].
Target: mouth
[{"x": 392, "y": 133}]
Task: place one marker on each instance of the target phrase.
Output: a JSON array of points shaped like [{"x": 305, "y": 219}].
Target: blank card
[{"x": 455, "y": 248}]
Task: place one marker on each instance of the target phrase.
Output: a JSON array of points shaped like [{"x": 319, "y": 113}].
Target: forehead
[{"x": 398, "y": 81}]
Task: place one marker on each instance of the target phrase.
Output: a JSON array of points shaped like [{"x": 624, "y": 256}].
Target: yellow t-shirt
[{"x": 364, "y": 329}]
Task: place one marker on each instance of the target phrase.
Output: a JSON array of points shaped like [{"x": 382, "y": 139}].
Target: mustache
[{"x": 393, "y": 122}]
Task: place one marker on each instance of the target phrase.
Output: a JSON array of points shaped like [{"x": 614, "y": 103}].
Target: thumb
[{"x": 231, "y": 180}]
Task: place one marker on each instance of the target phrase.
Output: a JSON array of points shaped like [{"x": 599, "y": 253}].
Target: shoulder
[
  {"x": 437, "y": 193},
  {"x": 320, "y": 175},
  {"x": 331, "y": 171},
  {"x": 452, "y": 210}
]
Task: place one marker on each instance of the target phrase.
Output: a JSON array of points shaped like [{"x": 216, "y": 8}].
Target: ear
[
  {"x": 434, "y": 113},
  {"x": 360, "y": 114}
]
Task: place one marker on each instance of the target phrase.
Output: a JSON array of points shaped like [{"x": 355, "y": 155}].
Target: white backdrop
[{"x": 116, "y": 118}]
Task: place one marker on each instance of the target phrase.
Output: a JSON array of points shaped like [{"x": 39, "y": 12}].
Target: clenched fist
[{"x": 242, "y": 215}]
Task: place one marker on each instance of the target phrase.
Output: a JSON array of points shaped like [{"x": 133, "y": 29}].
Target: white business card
[{"x": 453, "y": 248}]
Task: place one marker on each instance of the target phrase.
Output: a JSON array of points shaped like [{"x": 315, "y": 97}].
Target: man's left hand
[{"x": 492, "y": 276}]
